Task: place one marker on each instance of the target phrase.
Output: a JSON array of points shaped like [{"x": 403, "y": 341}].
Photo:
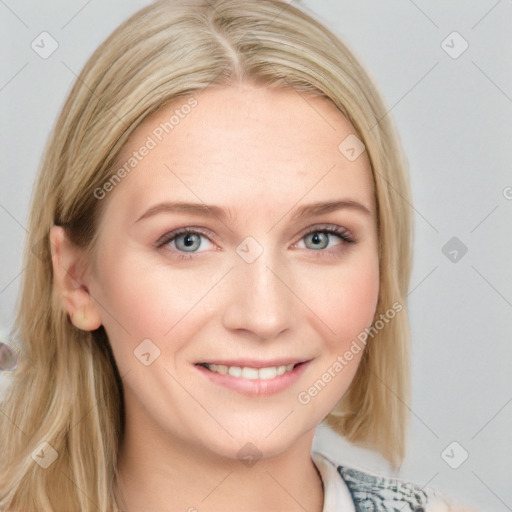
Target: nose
[{"x": 260, "y": 297}]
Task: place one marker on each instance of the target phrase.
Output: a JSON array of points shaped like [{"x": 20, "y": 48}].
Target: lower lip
[{"x": 256, "y": 387}]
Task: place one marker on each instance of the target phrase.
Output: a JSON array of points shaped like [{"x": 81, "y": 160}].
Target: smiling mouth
[{"x": 250, "y": 373}]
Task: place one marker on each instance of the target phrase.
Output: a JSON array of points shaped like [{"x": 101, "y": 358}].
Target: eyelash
[{"x": 342, "y": 233}]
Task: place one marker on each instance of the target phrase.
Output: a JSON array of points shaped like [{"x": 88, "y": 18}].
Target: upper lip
[{"x": 254, "y": 363}]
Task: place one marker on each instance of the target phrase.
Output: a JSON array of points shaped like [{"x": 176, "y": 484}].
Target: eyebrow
[{"x": 205, "y": 210}]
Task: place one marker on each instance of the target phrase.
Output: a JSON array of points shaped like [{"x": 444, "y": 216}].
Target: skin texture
[{"x": 262, "y": 153}]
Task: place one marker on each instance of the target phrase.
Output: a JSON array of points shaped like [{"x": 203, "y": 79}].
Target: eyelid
[
  {"x": 343, "y": 234},
  {"x": 167, "y": 237}
]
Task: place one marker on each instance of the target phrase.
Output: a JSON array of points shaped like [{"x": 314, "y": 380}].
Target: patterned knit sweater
[{"x": 359, "y": 491}]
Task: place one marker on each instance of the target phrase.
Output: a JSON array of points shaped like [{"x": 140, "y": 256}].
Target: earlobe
[
  {"x": 82, "y": 319},
  {"x": 67, "y": 270}
]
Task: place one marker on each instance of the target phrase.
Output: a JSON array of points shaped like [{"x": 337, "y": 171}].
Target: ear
[{"x": 69, "y": 279}]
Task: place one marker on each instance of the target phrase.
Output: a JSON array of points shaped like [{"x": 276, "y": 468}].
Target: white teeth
[
  {"x": 267, "y": 373},
  {"x": 250, "y": 373},
  {"x": 235, "y": 371},
  {"x": 222, "y": 369},
  {"x": 281, "y": 370},
  {"x": 246, "y": 372}
]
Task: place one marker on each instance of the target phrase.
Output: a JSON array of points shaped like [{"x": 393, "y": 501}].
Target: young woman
[{"x": 218, "y": 260}]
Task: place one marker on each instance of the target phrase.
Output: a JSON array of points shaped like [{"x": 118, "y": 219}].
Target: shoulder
[{"x": 371, "y": 492}]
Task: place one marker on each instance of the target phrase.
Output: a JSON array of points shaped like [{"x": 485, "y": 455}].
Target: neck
[{"x": 157, "y": 474}]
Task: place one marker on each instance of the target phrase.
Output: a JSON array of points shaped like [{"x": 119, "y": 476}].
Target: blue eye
[
  {"x": 321, "y": 237},
  {"x": 190, "y": 241},
  {"x": 187, "y": 241}
]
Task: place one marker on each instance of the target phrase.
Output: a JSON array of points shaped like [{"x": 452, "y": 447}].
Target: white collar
[{"x": 337, "y": 496}]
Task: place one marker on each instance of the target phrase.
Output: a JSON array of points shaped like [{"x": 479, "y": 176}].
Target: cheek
[
  {"x": 135, "y": 299},
  {"x": 143, "y": 298},
  {"x": 341, "y": 313},
  {"x": 344, "y": 300}
]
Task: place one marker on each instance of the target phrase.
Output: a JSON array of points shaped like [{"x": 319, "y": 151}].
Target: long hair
[{"x": 66, "y": 398}]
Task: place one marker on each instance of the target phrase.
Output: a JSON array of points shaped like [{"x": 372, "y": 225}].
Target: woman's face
[{"x": 257, "y": 283}]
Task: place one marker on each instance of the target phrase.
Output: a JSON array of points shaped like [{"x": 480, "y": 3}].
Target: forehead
[{"x": 242, "y": 146}]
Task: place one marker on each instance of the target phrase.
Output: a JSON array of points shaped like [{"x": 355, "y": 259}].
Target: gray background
[{"x": 454, "y": 116}]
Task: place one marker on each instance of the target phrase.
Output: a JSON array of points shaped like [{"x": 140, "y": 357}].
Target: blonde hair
[{"x": 67, "y": 391}]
